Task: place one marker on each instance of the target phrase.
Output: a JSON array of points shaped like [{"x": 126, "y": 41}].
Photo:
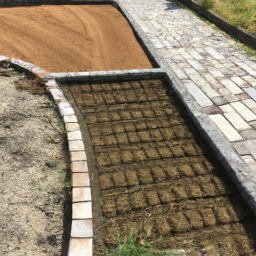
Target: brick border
[
  {"x": 81, "y": 226},
  {"x": 219, "y": 146}
]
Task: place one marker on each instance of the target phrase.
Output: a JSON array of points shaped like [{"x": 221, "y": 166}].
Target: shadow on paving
[{"x": 145, "y": 157}]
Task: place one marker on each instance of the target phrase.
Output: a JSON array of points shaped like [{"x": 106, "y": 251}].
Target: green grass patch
[
  {"x": 239, "y": 13},
  {"x": 248, "y": 49},
  {"x": 134, "y": 242}
]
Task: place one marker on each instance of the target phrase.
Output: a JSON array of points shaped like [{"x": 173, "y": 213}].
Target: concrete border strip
[{"x": 99, "y": 76}]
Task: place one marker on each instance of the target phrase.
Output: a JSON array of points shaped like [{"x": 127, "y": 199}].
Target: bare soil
[
  {"x": 71, "y": 38},
  {"x": 149, "y": 160},
  {"x": 34, "y": 168}
]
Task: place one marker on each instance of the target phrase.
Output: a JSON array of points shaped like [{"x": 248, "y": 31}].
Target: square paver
[
  {"x": 78, "y": 156},
  {"x": 80, "y": 247},
  {"x": 74, "y": 135},
  {"x": 79, "y": 166},
  {"x": 70, "y": 119},
  {"x": 80, "y": 180},
  {"x": 82, "y": 210},
  {"x": 82, "y": 228},
  {"x": 81, "y": 194},
  {"x": 72, "y": 127},
  {"x": 76, "y": 145}
]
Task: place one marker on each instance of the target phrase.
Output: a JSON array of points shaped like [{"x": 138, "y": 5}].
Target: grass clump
[
  {"x": 206, "y": 4},
  {"x": 135, "y": 242},
  {"x": 241, "y": 14}
]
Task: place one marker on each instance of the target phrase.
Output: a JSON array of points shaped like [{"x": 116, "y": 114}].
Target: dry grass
[
  {"x": 241, "y": 14},
  {"x": 34, "y": 167}
]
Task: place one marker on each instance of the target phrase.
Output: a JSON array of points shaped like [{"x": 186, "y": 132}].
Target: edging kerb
[
  {"x": 107, "y": 76},
  {"x": 81, "y": 227},
  {"x": 232, "y": 30}
]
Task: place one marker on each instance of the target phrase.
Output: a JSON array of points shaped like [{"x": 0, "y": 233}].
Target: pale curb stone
[
  {"x": 81, "y": 194},
  {"x": 79, "y": 166},
  {"x": 74, "y": 135},
  {"x": 226, "y": 128},
  {"x": 76, "y": 145},
  {"x": 67, "y": 111},
  {"x": 80, "y": 247},
  {"x": 82, "y": 210},
  {"x": 70, "y": 119},
  {"x": 57, "y": 95},
  {"x": 2, "y": 58},
  {"x": 72, "y": 127},
  {"x": 80, "y": 180},
  {"x": 63, "y": 105},
  {"x": 82, "y": 229},
  {"x": 250, "y": 162},
  {"x": 78, "y": 156},
  {"x": 245, "y": 112},
  {"x": 51, "y": 83}
]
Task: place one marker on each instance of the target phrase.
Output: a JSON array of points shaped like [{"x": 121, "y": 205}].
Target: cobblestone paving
[
  {"x": 220, "y": 77},
  {"x": 150, "y": 161}
]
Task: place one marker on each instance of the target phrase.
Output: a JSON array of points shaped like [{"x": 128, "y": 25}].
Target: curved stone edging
[
  {"x": 230, "y": 29},
  {"x": 81, "y": 226}
]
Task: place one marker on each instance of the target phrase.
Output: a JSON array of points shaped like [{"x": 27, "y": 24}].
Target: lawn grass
[{"x": 239, "y": 13}]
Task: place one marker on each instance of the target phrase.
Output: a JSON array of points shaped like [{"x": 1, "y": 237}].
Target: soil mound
[{"x": 71, "y": 38}]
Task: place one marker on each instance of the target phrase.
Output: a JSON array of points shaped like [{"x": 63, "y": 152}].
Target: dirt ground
[
  {"x": 151, "y": 162},
  {"x": 34, "y": 166},
  {"x": 70, "y": 38}
]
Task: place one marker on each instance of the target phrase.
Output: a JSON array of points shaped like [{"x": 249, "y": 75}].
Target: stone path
[{"x": 220, "y": 77}]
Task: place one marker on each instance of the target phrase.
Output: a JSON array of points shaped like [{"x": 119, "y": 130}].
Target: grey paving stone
[
  {"x": 241, "y": 148},
  {"x": 251, "y": 146},
  {"x": 248, "y": 134}
]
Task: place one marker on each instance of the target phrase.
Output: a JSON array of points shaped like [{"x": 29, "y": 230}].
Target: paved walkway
[{"x": 221, "y": 77}]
